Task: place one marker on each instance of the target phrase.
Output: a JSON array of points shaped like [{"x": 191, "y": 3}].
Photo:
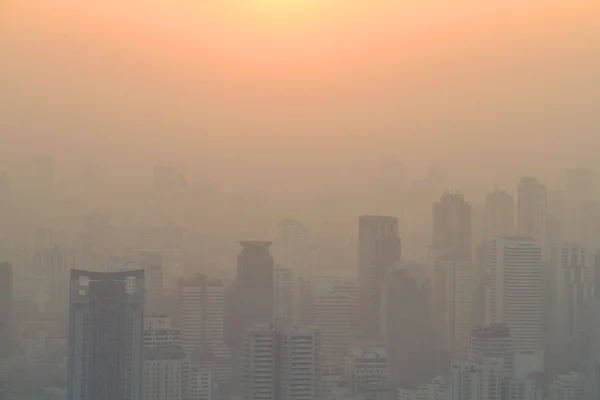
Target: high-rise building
[
  {"x": 516, "y": 289},
  {"x": 55, "y": 263},
  {"x": 284, "y": 293},
  {"x": 498, "y": 215},
  {"x": 437, "y": 389},
  {"x": 6, "y": 303},
  {"x": 492, "y": 341},
  {"x": 333, "y": 305},
  {"x": 253, "y": 288},
  {"x": 452, "y": 224},
  {"x": 214, "y": 319},
  {"x": 166, "y": 368},
  {"x": 531, "y": 208},
  {"x": 407, "y": 324},
  {"x": 453, "y": 298},
  {"x": 281, "y": 361},
  {"x": 106, "y": 328},
  {"x": 579, "y": 185},
  {"x": 293, "y": 248},
  {"x": 192, "y": 295},
  {"x": 477, "y": 380},
  {"x": 570, "y": 386},
  {"x": 367, "y": 372},
  {"x": 573, "y": 288},
  {"x": 152, "y": 263},
  {"x": 378, "y": 250}
]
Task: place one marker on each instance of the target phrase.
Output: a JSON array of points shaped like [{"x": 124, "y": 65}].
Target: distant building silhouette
[
  {"x": 378, "y": 250},
  {"x": 253, "y": 289},
  {"x": 498, "y": 215},
  {"x": 6, "y": 327},
  {"x": 531, "y": 208},
  {"x": 452, "y": 224}
]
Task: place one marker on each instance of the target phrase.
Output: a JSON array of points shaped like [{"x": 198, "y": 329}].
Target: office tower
[
  {"x": 528, "y": 388},
  {"x": 573, "y": 288},
  {"x": 214, "y": 320},
  {"x": 407, "y": 325},
  {"x": 55, "y": 263},
  {"x": 157, "y": 322},
  {"x": 492, "y": 341},
  {"x": 531, "y": 209},
  {"x": 378, "y": 250},
  {"x": 216, "y": 359},
  {"x": 367, "y": 372},
  {"x": 152, "y": 263},
  {"x": 476, "y": 380},
  {"x": 333, "y": 305},
  {"x": 579, "y": 193},
  {"x": 570, "y": 386},
  {"x": 6, "y": 304},
  {"x": 192, "y": 292},
  {"x": 284, "y": 293},
  {"x": 452, "y": 224},
  {"x": 294, "y": 251},
  {"x": 453, "y": 296},
  {"x": 516, "y": 289},
  {"x": 281, "y": 361},
  {"x": 498, "y": 215},
  {"x": 253, "y": 289},
  {"x": 106, "y": 327},
  {"x": 201, "y": 386}
]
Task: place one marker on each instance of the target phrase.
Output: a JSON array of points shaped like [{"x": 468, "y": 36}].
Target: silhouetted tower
[
  {"x": 378, "y": 250},
  {"x": 452, "y": 224}
]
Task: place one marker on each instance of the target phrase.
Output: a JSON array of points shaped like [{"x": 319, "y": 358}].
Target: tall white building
[
  {"x": 367, "y": 372},
  {"x": 453, "y": 298},
  {"x": 531, "y": 208},
  {"x": 476, "y": 381},
  {"x": 332, "y": 304},
  {"x": 516, "y": 289},
  {"x": 192, "y": 312},
  {"x": 214, "y": 320},
  {"x": 200, "y": 386},
  {"x": 573, "y": 287},
  {"x": 284, "y": 293},
  {"x": 280, "y": 361}
]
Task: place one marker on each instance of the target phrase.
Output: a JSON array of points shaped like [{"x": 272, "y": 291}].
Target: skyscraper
[
  {"x": 284, "y": 292},
  {"x": 368, "y": 372},
  {"x": 152, "y": 263},
  {"x": 453, "y": 296},
  {"x": 253, "y": 289},
  {"x": 452, "y": 224},
  {"x": 106, "y": 329},
  {"x": 498, "y": 215},
  {"x": 579, "y": 184},
  {"x": 531, "y": 208},
  {"x": 281, "y": 362},
  {"x": 516, "y": 289},
  {"x": 6, "y": 303},
  {"x": 407, "y": 324},
  {"x": 378, "y": 250},
  {"x": 333, "y": 305},
  {"x": 192, "y": 295},
  {"x": 293, "y": 248},
  {"x": 573, "y": 288}
]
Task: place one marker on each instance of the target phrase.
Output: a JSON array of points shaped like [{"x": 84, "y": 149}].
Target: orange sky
[{"x": 325, "y": 76}]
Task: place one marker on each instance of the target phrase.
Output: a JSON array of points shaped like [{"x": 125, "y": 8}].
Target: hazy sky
[{"x": 298, "y": 83}]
